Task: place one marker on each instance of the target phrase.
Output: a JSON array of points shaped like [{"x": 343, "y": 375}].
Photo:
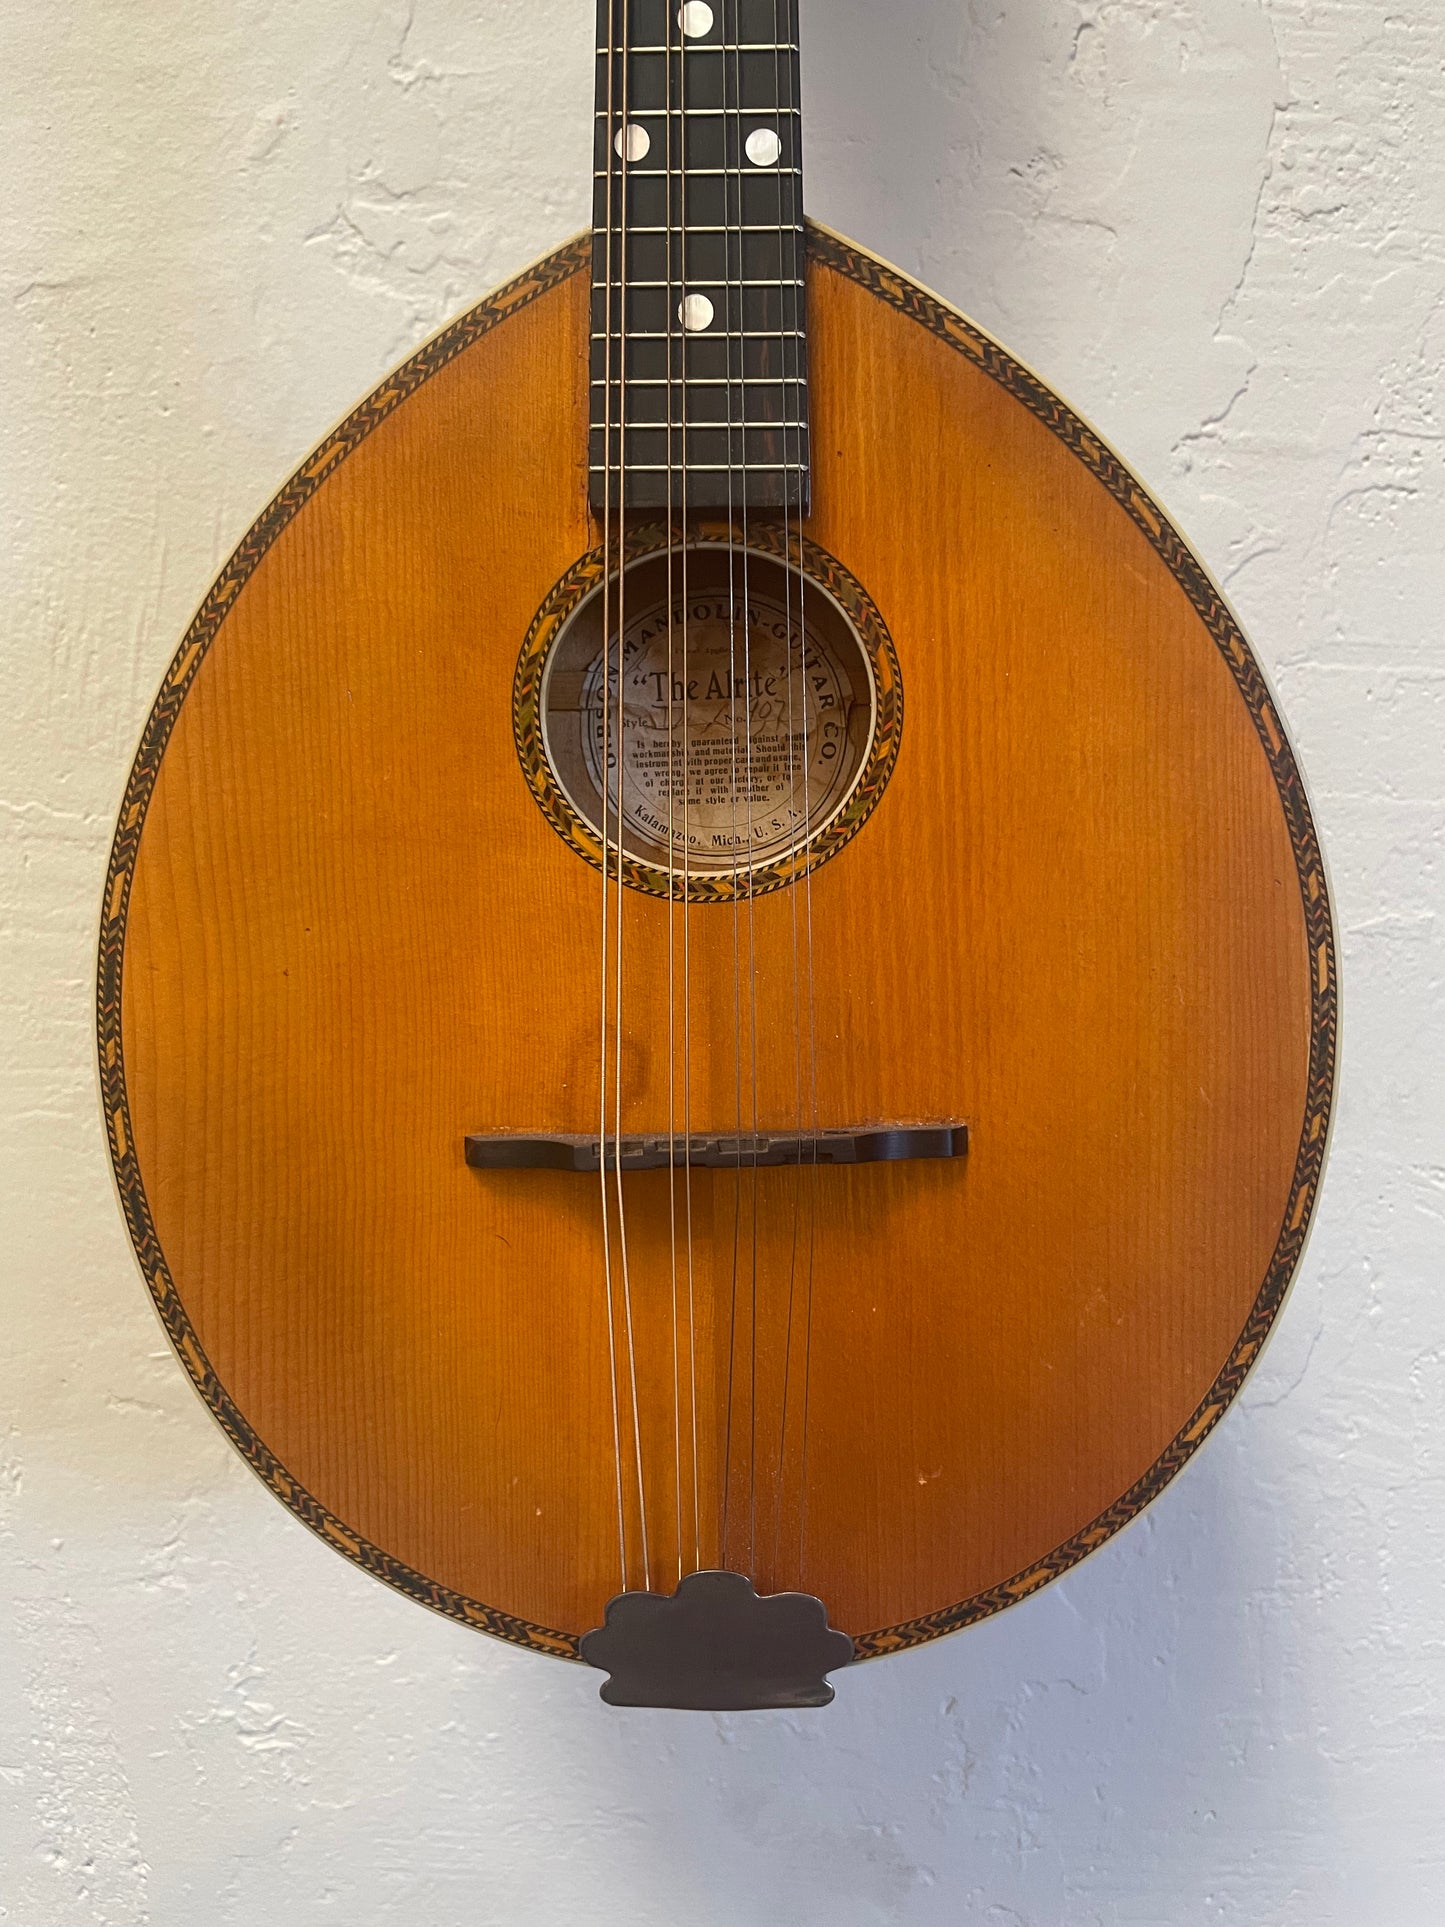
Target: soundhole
[{"x": 726, "y": 715}]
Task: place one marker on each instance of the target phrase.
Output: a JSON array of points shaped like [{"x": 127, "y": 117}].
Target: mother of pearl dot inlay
[
  {"x": 632, "y": 142},
  {"x": 763, "y": 147},
  {"x": 695, "y": 312},
  {"x": 695, "y": 18}
]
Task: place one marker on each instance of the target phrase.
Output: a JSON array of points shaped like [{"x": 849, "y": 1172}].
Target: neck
[{"x": 699, "y": 365}]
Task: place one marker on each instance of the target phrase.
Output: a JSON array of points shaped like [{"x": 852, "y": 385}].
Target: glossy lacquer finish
[{"x": 1086, "y": 917}]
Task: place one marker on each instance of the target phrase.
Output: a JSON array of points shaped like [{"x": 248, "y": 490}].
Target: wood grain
[{"x": 1085, "y": 916}]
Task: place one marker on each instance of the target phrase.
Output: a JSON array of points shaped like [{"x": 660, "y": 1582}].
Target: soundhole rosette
[{"x": 760, "y": 704}]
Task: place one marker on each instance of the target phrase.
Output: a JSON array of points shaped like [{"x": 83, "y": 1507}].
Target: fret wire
[
  {"x": 705, "y": 468},
  {"x": 700, "y": 113},
  {"x": 637, "y": 172},
  {"x": 698, "y": 282},
  {"x": 713, "y": 334},
  {"x": 641, "y": 435},
  {"x": 681, "y": 428},
  {"x": 703, "y": 381},
  {"x": 732, "y": 46},
  {"x": 692, "y": 227}
]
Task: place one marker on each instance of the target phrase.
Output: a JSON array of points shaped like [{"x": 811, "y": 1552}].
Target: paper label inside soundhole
[
  {"x": 737, "y": 734},
  {"x": 736, "y": 729}
]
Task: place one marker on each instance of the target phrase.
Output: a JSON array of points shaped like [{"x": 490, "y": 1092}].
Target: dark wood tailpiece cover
[{"x": 716, "y": 1646}]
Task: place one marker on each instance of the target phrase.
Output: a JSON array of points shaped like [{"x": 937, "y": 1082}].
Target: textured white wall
[{"x": 1219, "y": 227}]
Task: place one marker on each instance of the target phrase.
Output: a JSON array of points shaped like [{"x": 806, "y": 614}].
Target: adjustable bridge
[{"x": 745, "y": 1150}]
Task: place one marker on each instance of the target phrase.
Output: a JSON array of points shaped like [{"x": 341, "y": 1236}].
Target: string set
[
  {"x": 615, "y": 284},
  {"x": 630, "y": 1466}
]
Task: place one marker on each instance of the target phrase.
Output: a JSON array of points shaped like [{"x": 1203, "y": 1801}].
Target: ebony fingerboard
[{"x": 699, "y": 392}]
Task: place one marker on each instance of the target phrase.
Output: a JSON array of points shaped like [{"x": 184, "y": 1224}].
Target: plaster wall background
[{"x": 1219, "y": 227}]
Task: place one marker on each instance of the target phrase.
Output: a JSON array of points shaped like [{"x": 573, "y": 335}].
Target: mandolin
[{"x": 717, "y": 995}]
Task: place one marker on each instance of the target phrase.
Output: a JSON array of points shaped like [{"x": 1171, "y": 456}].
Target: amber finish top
[{"x": 1088, "y": 916}]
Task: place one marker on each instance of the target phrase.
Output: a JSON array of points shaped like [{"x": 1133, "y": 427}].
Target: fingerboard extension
[{"x": 699, "y": 391}]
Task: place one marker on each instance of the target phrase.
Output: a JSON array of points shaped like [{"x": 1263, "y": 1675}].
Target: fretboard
[{"x": 699, "y": 354}]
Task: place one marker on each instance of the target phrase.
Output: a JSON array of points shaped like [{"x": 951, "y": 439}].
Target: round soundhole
[{"x": 718, "y": 713}]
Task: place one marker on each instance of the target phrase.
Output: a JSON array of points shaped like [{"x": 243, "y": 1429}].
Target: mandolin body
[{"x": 1086, "y": 916}]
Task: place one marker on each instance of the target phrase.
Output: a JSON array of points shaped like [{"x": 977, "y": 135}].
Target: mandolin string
[
  {"x": 748, "y": 866},
  {"x": 813, "y": 1185},
  {"x": 607, "y": 378},
  {"x": 619, "y": 894},
  {"x": 673, "y": 281},
  {"x": 730, "y": 335},
  {"x": 680, "y": 188},
  {"x": 782, "y": 16},
  {"x": 812, "y": 1059},
  {"x": 812, "y": 1051}
]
